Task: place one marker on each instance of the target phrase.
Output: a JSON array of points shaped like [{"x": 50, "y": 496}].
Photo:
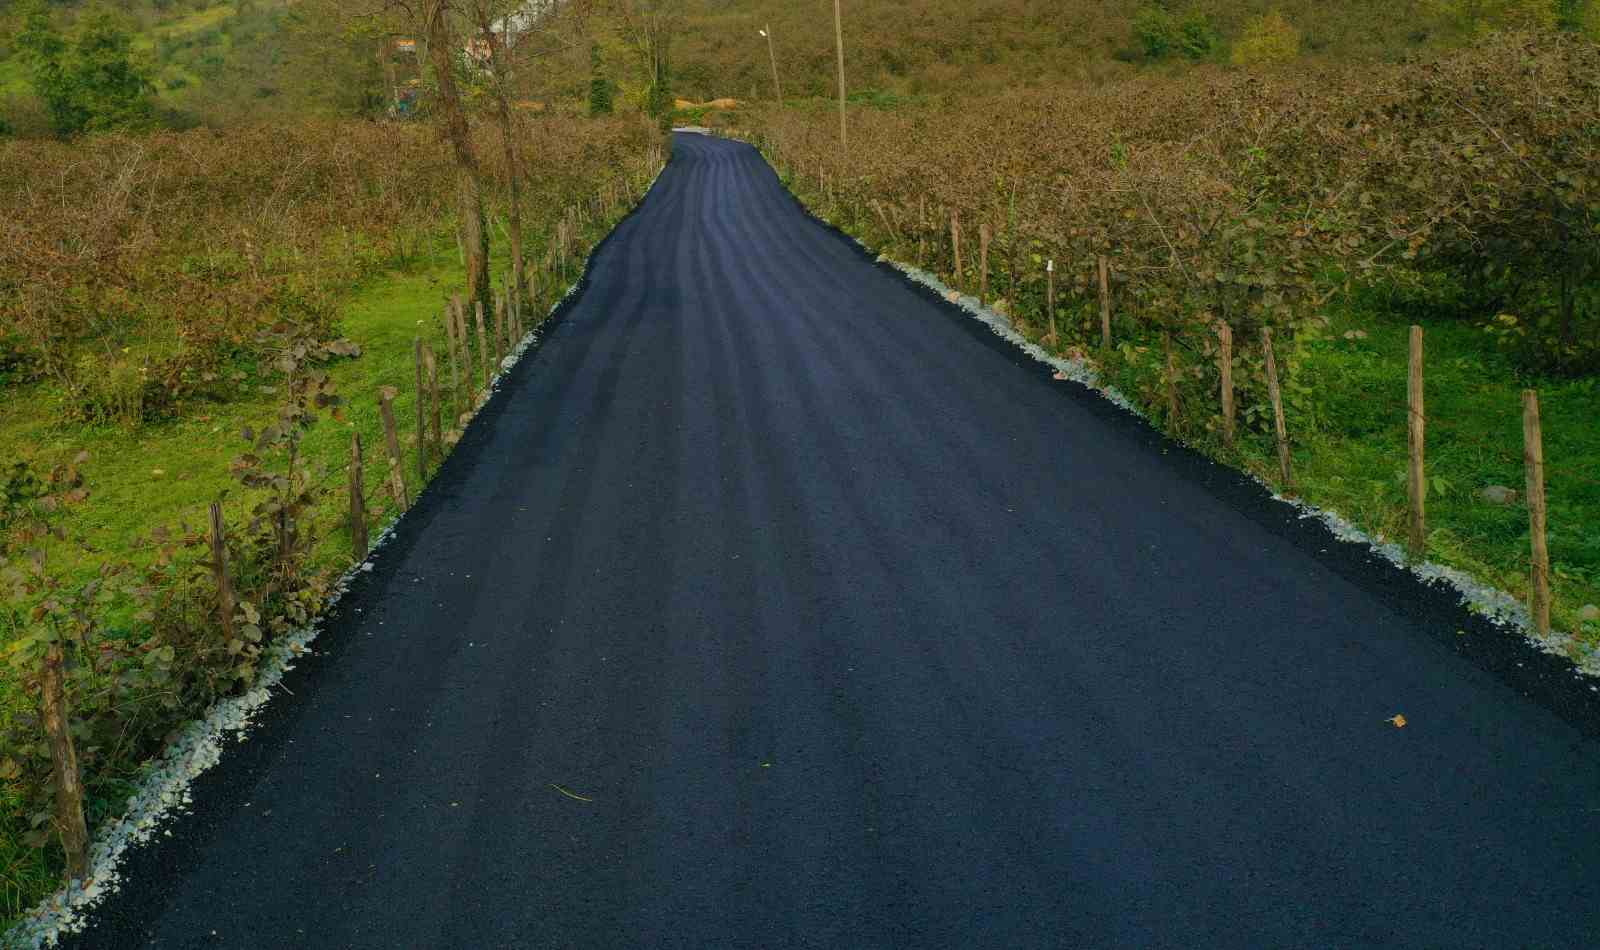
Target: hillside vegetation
[{"x": 961, "y": 47}]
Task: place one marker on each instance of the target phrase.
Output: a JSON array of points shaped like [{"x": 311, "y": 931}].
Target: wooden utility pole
[
  {"x": 838, "y": 39},
  {"x": 773, "y": 55}
]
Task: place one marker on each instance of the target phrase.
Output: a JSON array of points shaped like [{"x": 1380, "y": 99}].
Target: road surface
[{"x": 773, "y": 603}]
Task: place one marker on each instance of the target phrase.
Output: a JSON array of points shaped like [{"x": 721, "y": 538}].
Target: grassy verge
[{"x": 167, "y": 473}]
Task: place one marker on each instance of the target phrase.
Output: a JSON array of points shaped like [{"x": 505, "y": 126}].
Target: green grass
[
  {"x": 1348, "y": 430},
  {"x": 168, "y": 472},
  {"x": 1353, "y": 458}
]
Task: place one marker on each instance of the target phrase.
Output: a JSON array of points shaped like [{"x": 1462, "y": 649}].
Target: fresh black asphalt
[{"x": 772, "y": 603}]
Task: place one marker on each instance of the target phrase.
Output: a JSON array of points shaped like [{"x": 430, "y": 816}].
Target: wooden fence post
[
  {"x": 422, "y": 415},
  {"x": 64, "y": 762},
  {"x": 983, "y": 264},
  {"x": 1276, "y": 395},
  {"x": 358, "y": 500},
  {"x": 1533, "y": 462},
  {"x": 500, "y": 331},
  {"x": 397, "y": 479},
  {"x": 1050, "y": 297},
  {"x": 955, "y": 245},
  {"x": 432, "y": 365},
  {"x": 1105, "y": 301},
  {"x": 483, "y": 346},
  {"x": 451, "y": 322},
  {"x": 219, "y": 570},
  {"x": 1225, "y": 369},
  {"x": 1416, "y": 421},
  {"x": 1172, "y": 382}
]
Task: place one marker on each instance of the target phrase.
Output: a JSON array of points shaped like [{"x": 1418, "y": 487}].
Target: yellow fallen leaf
[{"x": 1398, "y": 720}]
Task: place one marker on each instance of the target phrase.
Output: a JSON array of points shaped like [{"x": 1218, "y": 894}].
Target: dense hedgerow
[
  {"x": 135, "y": 270},
  {"x": 1254, "y": 198}
]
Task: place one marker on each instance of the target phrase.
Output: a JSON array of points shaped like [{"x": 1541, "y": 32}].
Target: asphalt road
[{"x": 774, "y": 604}]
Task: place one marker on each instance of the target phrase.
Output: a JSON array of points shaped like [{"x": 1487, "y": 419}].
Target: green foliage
[
  {"x": 1478, "y": 16},
  {"x": 1156, "y": 31},
  {"x": 600, "y": 93},
  {"x": 1161, "y": 32},
  {"x": 91, "y": 81},
  {"x": 1268, "y": 39},
  {"x": 1198, "y": 36}
]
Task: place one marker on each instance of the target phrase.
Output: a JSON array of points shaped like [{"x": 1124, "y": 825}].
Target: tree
[
  {"x": 92, "y": 83},
  {"x": 430, "y": 21},
  {"x": 648, "y": 27},
  {"x": 435, "y": 22},
  {"x": 1268, "y": 39},
  {"x": 483, "y": 16}
]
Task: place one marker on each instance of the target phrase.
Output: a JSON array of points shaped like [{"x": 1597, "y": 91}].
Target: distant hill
[{"x": 932, "y": 47}]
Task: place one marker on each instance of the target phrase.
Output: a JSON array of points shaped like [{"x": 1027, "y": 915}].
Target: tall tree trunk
[
  {"x": 469, "y": 189},
  {"x": 508, "y": 138}
]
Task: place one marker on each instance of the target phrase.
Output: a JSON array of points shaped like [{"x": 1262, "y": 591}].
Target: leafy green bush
[
  {"x": 1198, "y": 36},
  {"x": 1267, "y": 39},
  {"x": 1156, "y": 31},
  {"x": 1160, "y": 33}
]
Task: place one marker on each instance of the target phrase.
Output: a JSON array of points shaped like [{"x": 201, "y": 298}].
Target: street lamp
[{"x": 767, "y": 32}]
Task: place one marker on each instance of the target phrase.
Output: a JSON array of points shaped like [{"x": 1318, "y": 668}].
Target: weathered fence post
[
  {"x": 500, "y": 331},
  {"x": 219, "y": 570},
  {"x": 64, "y": 761},
  {"x": 358, "y": 500},
  {"x": 432, "y": 365},
  {"x": 983, "y": 264},
  {"x": 1172, "y": 382},
  {"x": 397, "y": 479},
  {"x": 1533, "y": 462},
  {"x": 483, "y": 346},
  {"x": 1105, "y": 301},
  {"x": 451, "y": 315},
  {"x": 1050, "y": 297},
  {"x": 421, "y": 416},
  {"x": 1276, "y": 395},
  {"x": 1416, "y": 421},
  {"x": 1225, "y": 369},
  {"x": 955, "y": 245}
]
